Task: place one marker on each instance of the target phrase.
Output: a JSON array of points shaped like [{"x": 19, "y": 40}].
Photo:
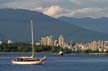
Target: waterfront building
[
  {"x": 106, "y": 44},
  {"x": 49, "y": 41},
  {"x": 37, "y": 43},
  {"x": 55, "y": 43},
  {"x": 9, "y": 41},
  {"x": 1, "y": 42},
  {"x": 46, "y": 41},
  {"x": 93, "y": 45},
  {"x": 61, "y": 41},
  {"x": 42, "y": 41}
]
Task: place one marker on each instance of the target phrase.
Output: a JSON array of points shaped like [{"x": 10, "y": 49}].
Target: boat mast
[{"x": 32, "y": 34}]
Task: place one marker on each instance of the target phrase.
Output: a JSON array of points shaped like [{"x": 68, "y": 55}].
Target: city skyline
[{"x": 91, "y": 46}]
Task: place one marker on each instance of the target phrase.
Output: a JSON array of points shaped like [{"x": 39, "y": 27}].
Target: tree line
[{"x": 26, "y": 47}]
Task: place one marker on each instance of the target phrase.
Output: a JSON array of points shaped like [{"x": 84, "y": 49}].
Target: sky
[{"x": 58, "y": 8}]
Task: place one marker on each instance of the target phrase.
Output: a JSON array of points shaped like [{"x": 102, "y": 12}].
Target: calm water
[{"x": 69, "y": 62}]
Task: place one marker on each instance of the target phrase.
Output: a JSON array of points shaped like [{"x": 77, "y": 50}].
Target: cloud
[
  {"x": 51, "y": 0},
  {"x": 56, "y": 8},
  {"x": 87, "y": 12},
  {"x": 40, "y": 9},
  {"x": 100, "y": 0},
  {"x": 52, "y": 10},
  {"x": 76, "y": 1},
  {"x": 21, "y": 4}
]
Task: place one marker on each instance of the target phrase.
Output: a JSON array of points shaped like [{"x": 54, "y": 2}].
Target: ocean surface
[{"x": 68, "y": 62}]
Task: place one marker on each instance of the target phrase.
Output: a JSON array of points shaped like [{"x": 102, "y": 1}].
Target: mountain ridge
[
  {"x": 95, "y": 24},
  {"x": 15, "y": 25}
]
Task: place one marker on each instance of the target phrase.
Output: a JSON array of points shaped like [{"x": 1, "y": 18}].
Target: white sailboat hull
[
  {"x": 27, "y": 62},
  {"x": 32, "y": 62}
]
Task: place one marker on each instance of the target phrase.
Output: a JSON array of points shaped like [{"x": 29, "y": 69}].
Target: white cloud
[
  {"x": 86, "y": 12},
  {"x": 74, "y": 8},
  {"x": 40, "y": 9},
  {"x": 100, "y": 0},
  {"x": 52, "y": 11},
  {"x": 29, "y": 4}
]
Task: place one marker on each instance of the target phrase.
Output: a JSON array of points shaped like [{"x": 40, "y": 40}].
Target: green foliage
[
  {"x": 66, "y": 50},
  {"x": 25, "y": 47}
]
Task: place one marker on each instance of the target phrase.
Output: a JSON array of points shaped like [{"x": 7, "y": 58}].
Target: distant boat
[
  {"x": 61, "y": 53},
  {"x": 29, "y": 60}
]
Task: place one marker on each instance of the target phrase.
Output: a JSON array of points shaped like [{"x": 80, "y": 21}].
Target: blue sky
[{"x": 57, "y": 8}]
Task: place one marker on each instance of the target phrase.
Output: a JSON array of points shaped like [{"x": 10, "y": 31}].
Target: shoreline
[
  {"x": 24, "y": 53},
  {"x": 52, "y": 53}
]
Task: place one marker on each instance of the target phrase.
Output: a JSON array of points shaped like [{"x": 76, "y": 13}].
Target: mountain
[
  {"x": 2, "y": 37},
  {"x": 15, "y": 25},
  {"x": 98, "y": 24}
]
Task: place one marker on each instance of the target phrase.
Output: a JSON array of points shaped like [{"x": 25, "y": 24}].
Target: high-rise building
[
  {"x": 43, "y": 41},
  {"x": 61, "y": 41},
  {"x": 94, "y": 45},
  {"x": 105, "y": 43},
  {"x": 48, "y": 41},
  {"x": 55, "y": 43}
]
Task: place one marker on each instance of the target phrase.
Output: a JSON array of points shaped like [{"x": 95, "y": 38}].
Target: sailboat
[
  {"x": 29, "y": 60},
  {"x": 61, "y": 53}
]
